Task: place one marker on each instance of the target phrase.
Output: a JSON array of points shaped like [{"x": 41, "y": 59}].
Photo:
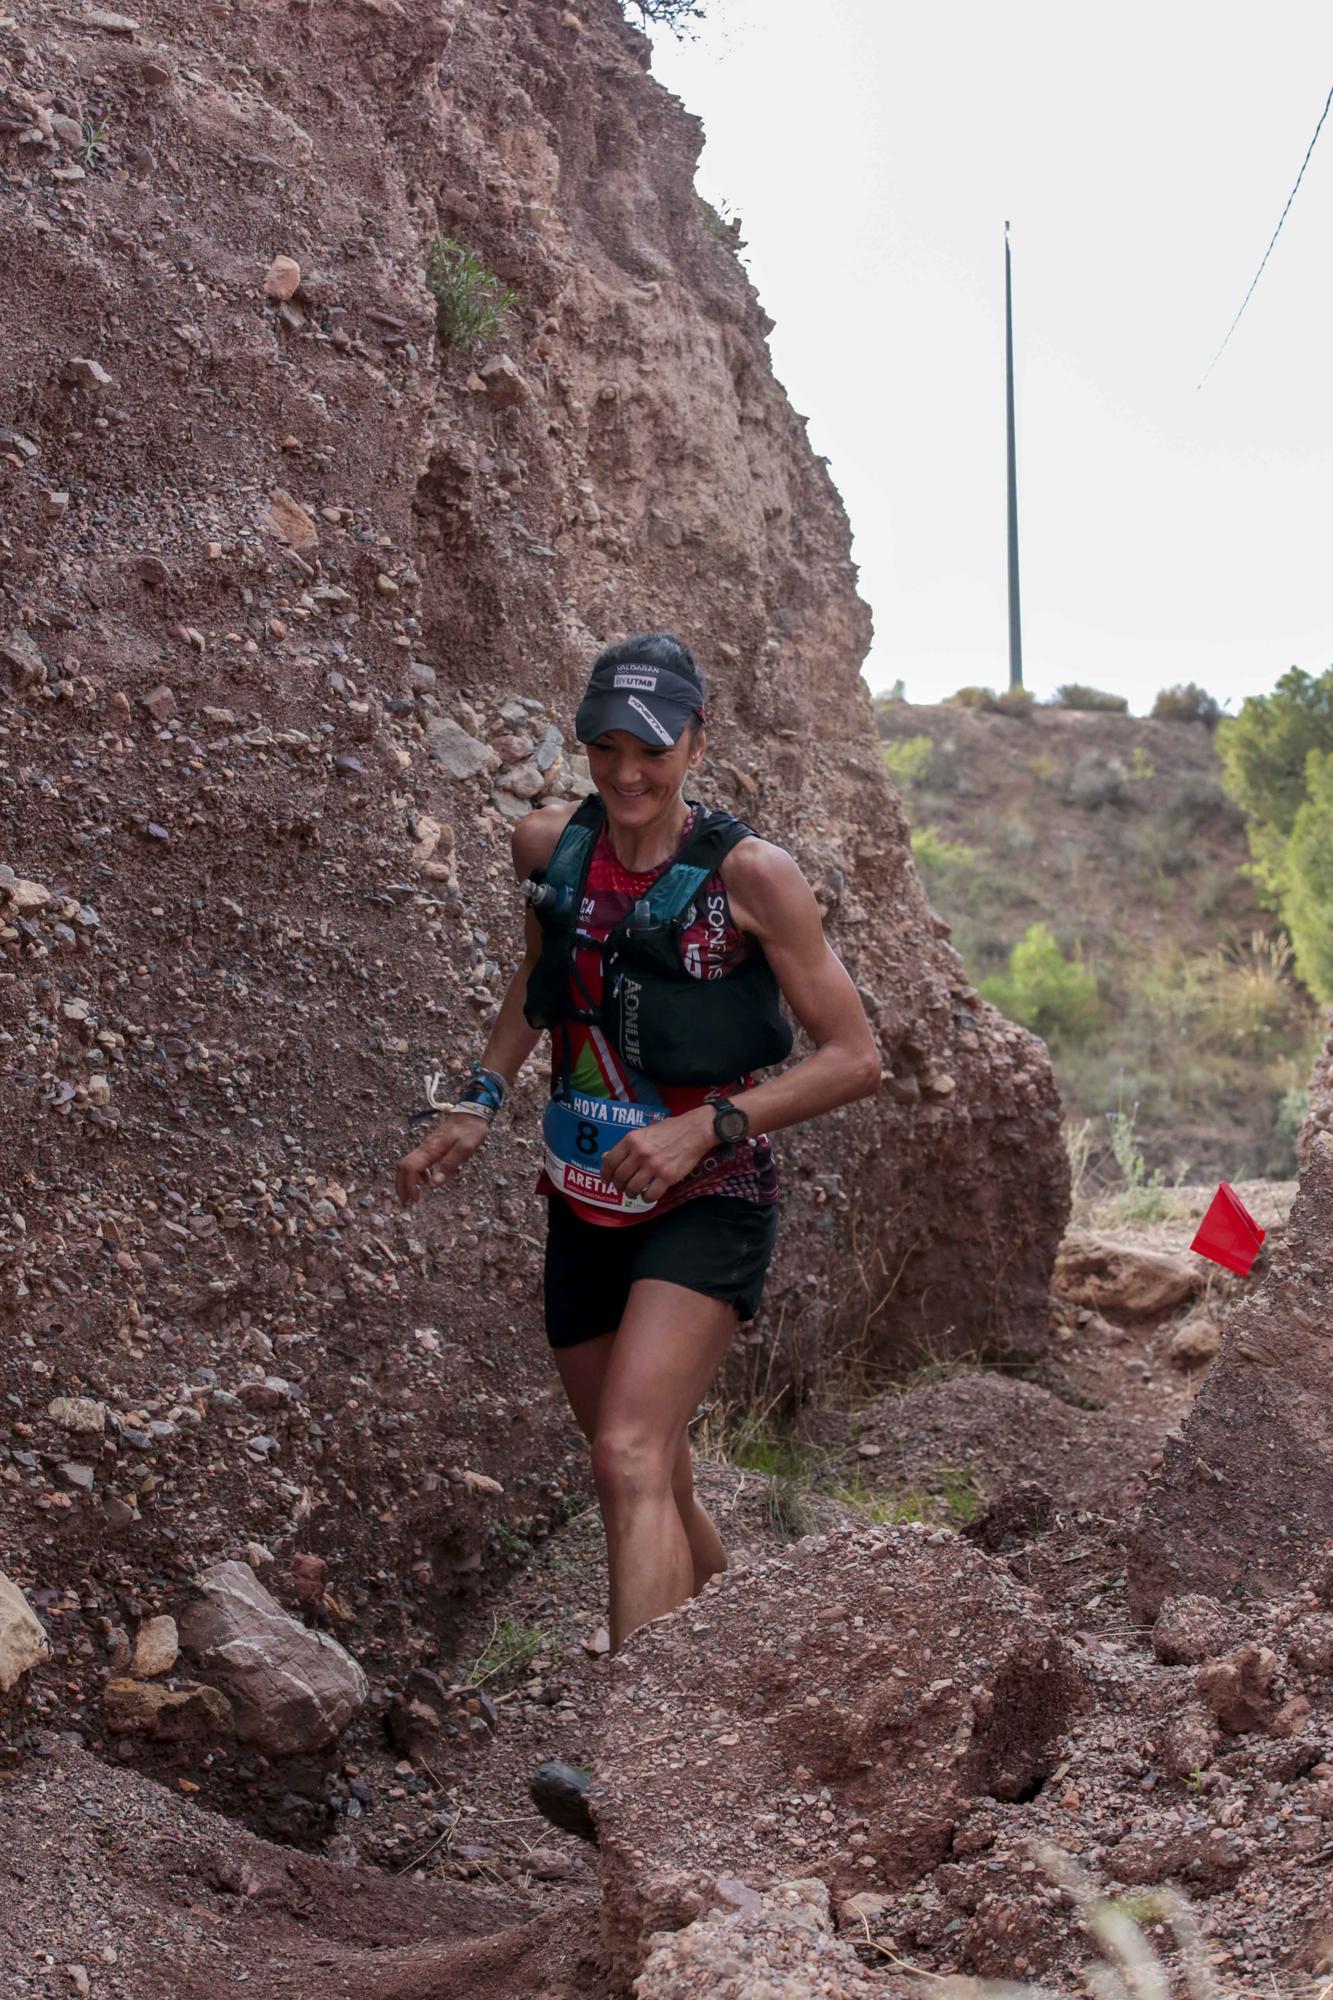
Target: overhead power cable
[{"x": 1269, "y": 251}]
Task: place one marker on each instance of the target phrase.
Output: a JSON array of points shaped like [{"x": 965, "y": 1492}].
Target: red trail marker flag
[{"x": 1229, "y": 1234}]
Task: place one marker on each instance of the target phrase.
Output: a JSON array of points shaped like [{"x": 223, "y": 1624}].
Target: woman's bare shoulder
[
  {"x": 762, "y": 883},
  {"x": 536, "y": 835}
]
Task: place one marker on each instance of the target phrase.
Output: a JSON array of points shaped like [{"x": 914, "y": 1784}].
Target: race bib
[{"x": 576, "y": 1132}]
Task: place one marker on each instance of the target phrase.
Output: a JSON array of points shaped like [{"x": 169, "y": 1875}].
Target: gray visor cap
[{"x": 650, "y": 702}]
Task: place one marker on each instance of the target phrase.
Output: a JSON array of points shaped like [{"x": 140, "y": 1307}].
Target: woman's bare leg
[
  {"x": 666, "y": 1351},
  {"x": 582, "y": 1370}
]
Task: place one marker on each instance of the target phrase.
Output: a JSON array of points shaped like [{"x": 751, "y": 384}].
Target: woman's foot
[{"x": 560, "y": 1794}]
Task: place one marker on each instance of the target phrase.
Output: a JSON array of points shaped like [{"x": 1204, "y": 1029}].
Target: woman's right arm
[{"x": 511, "y": 1041}]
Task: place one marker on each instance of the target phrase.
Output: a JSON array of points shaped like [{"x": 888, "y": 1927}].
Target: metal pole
[{"x": 1015, "y": 618}]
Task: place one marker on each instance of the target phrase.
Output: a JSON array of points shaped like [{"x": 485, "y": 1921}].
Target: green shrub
[
  {"x": 1201, "y": 802},
  {"x": 944, "y": 865},
  {"x": 909, "y": 760},
  {"x": 1187, "y": 702},
  {"x": 470, "y": 302},
  {"x": 972, "y": 697},
  {"x": 1043, "y": 990},
  {"x": 1098, "y": 781},
  {"x": 1307, "y": 904},
  {"x": 1145, "y": 1197},
  {"x": 1016, "y": 703},
  {"x": 1265, "y": 750},
  {"x": 1075, "y": 695}
]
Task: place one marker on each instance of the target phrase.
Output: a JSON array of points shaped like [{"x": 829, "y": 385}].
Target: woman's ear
[{"x": 697, "y": 749}]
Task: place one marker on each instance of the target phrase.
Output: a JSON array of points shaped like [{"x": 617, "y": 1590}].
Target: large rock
[
  {"x": 778, "y": 1946},
  {"x": 1244, "y": 1497},
  {"x": 23, "y": 1643},
  {"x": 832, "y": 1711},
  {"x": 1123, "y": 1278},
  {"x": 292, "y": 1690}
]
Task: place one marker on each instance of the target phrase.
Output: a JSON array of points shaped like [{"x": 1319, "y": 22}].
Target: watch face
[{"x": 731, "y": 1125}]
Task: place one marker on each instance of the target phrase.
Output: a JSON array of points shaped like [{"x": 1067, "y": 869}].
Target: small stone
[
  {"x": 154, "y": 74},
  {"x": 156, "y": 1648},
  {"x": 598, "y": 1642},
  {"x": 421, "y": 678},
  {"x": 287, "y": 519},
  {"x": 185, "y": 1713},
  {"x": 20, "y": 651},
  {"x": 109, "y": 24},
  {"x": 502, "y": 382},
  {"x": 76, "y": 1475},
  {"x": 461, "y": 755},
  {"x": 81, "y": 373},
  {"x": 1195, "y": 1343},
  {"x": 160, "y": 704},
  {"x": 481, "y": 1482},
  {"x": 80, "y": 1414},
  {"x": 118, "y": 1512},
  {"x": 349, "y": 767},
  {"x": 548, "y": 749},
  {"x": 522, "y": 781},
  {"x": 55, "y": 504},
  {"x": 282, "y": 278}
]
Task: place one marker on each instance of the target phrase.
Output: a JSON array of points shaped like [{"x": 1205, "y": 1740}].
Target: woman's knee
[{"x": 630, "y": 1463}]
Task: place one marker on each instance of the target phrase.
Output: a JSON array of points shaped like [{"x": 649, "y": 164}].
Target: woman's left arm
[{"x": 771, "y": 902}]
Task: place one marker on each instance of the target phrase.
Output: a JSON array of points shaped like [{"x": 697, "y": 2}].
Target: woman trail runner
[{"x": 659, "y": 938}]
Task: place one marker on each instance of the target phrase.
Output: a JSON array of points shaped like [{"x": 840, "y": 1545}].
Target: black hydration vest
[{"x": 664, "y": 1023}]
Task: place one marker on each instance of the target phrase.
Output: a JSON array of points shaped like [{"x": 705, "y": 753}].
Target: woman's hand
[
  {"x": 450, "y": 1146},
  {"x": 652, "y": 1158}
]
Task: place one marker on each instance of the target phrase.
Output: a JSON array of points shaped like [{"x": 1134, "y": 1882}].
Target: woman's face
[{"x": 639, "y": 781}]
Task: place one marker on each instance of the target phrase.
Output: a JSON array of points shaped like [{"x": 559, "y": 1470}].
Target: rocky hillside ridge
[
  {"x": 295, "y": 603},
  {"x": 1115, "y": 832}
]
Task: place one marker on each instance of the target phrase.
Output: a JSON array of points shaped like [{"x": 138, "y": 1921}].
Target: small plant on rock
[
  {"x": 508, "y": 1650},
  {"x": 93, "y": 146},
  {"x": 470, "y": 302}
]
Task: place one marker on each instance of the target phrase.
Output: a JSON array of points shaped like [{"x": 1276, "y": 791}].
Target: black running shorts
[{"x": 716, "y": 1244}]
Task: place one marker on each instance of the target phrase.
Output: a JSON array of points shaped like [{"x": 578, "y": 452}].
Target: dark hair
[{"x": 658, "y": 649}]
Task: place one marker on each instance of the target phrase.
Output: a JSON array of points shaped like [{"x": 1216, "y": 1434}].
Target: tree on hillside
[
  {"x": 1265, "y": 752},
  {"x": 1307, "y": 903},
  {"x": 673, "y": 14}
]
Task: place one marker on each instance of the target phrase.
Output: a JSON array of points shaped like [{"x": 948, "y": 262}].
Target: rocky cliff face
[{"x": 294, "y": 601}]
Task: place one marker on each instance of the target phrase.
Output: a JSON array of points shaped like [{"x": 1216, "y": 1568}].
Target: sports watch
[{"x": 729, "y": 1122}]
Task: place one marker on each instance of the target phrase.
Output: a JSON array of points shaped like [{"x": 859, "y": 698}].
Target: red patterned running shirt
[{"x": 583, "y": 1057}]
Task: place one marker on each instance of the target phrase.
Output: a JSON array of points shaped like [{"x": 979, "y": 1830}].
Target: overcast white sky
[{"x": 1142, "y": 154}]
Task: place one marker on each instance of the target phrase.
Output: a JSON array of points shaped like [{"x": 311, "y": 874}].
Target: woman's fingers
[{"x": 437, "y": 1158}]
